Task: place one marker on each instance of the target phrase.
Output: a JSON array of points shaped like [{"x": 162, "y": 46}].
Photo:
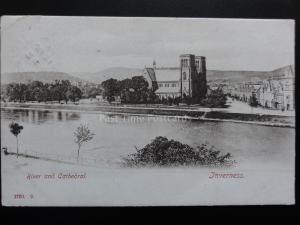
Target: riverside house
[{"x": 275, "y": 92}]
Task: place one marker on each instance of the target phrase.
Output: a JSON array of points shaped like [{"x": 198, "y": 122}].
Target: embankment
[{"x": 198, "y": 114}]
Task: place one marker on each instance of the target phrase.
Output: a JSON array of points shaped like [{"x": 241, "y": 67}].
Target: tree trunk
[
  {"x": 17, "y": 147},
  {"x": 78, "y": 153}
]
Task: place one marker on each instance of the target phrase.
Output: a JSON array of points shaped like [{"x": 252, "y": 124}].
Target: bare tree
[
  {"x": 82, "y": 135},
  {"x": 15, "y": 129}
]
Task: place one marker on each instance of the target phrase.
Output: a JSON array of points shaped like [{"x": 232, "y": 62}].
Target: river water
[{"x": 117, "y": 135}]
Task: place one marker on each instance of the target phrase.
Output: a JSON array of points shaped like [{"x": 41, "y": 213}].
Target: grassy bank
[{"x": 272, "y": 119}]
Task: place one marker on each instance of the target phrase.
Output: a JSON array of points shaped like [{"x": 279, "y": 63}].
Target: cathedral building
[{"x": 187, "y": 80}]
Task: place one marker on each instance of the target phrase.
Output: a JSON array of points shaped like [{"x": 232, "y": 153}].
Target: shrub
[
  {"x": 216, "y": 99},
  {"x": 187, "y": 99},
  {"x": 253, "y": 101},
  {"x": 164, "y": 152}
]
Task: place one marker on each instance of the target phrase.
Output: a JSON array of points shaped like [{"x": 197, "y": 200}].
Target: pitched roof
[
  {"x": 151, "y": 73},
  {"x": 167, "y": 74},
  {"x": 287, "y": 71}
]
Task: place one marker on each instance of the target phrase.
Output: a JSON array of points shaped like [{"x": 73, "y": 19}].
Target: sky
[{"x": 91, "y": 44}]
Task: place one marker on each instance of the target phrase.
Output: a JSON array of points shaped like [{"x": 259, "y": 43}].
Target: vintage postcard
[{"x": 112, "y": 111}]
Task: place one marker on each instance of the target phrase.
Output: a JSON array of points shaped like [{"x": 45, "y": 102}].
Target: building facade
[
  {"x": 189, "y": 79},
  {"x": 245, "y": 91},
  {"x": 276, "y": 92}
]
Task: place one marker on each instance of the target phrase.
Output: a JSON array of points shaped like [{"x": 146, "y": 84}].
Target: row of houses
[{"x": 276, "y": 92}]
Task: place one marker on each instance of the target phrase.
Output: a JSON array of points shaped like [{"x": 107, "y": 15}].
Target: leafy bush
[
  {"x": 187, "y": 99},
  {"x": 164, "y": 152},
  {"x": 216, "y": 99},
  {"x": 253, "y": 101}
]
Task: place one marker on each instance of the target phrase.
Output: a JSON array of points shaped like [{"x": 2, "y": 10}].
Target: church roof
[
  {"x": 167, "y": 74},
  {"x": 151, "y": 73},
  {"x": 170, "y": 75}
]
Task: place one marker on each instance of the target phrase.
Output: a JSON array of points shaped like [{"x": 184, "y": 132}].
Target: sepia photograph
[{"x": 147, "y": 111}]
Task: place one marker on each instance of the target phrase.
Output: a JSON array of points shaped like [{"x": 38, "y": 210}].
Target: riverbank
[
  {"x": 269, "y": 183},
  {"x": 184, "y": 113}
]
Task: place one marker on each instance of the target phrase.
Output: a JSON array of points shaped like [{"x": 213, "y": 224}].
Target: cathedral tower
[
  {"x": 187, "y": 68},
  {"x": 200, "y": 79},
  {"x": 193, "y": 77}
]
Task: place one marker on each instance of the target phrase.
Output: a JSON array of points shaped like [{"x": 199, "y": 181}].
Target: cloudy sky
[{"x": 91, "y": 44}]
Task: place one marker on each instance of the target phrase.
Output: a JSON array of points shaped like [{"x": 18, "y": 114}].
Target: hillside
[
  {"x": 236, "y": 76},
  {"x": 212, "y": 75},
  {"x": 46, "y": 77},
  {"x": 118, "y": 73},
  {"x": 125, "y": 72}
]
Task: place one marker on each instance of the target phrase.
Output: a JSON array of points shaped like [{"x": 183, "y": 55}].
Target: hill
[
  {"x": 236, "y": 76},
  {"x": 46, "y": 77},
  {"x": 212, "y": 75},
  {"x": 125, "y": 72},
  {"x": 118, "y": 73}
]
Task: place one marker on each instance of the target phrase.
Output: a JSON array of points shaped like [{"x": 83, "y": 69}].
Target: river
[{"x": 117, "y": 135}]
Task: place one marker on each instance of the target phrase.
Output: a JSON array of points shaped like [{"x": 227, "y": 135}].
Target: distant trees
[
  {"x": 91, "y": 92},
  {"x": 15, "y": 129},
  {"x": 111, "y": 89},
  {"x": 135, "y": 90},
  {"x": 140, "y": 87},
  {"x": 152, "y": 97},
  {"x": 126, "y": 92},
  {"x": 43, "y": 92},
  {"x": 64, "y": 87},
  {"x": 37, "y": 90},
  {"x": 16, "y": 92},
  {"x": 216, "y": 99},
  {"x": 82, "y": 135},
  {"x": 55, "y": 91},
  {"x": 60, "y": 90},
  {"x": 253, "y": 101},
  {"x": 74, "y": 93}
]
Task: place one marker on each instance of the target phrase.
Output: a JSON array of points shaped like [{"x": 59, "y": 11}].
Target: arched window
[{"x": 184, "y": 76}]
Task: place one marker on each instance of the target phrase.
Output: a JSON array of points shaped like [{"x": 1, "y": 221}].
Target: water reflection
[
  {"x": 72, "y": 116},
  {"x": 38, "y": 116},
  {"x": 118, "y": 135}
]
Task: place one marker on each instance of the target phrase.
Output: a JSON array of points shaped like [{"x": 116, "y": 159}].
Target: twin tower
[{"x": 193, "y": 77}]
